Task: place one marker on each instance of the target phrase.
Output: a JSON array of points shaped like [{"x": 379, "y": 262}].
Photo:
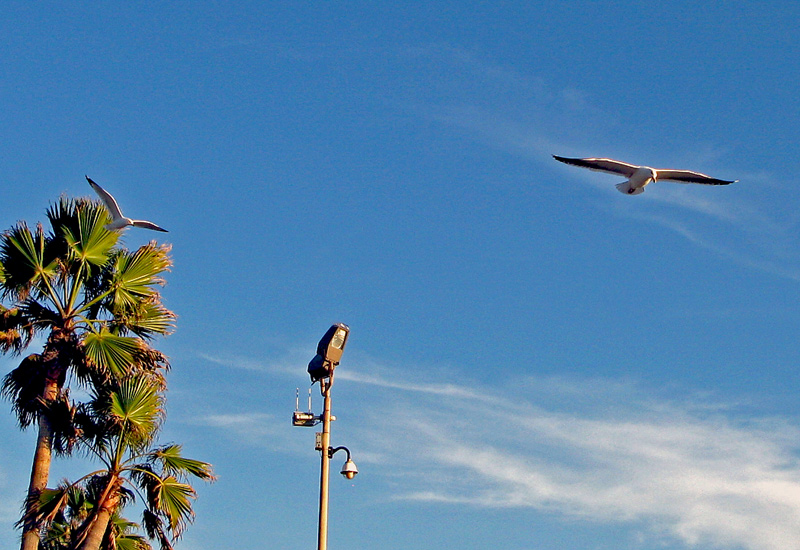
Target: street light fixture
[
  {"x": 320, "y": 369},
  {"x": 329, "y": 352}
]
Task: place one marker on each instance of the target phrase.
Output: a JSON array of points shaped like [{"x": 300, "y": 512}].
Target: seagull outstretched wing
[
  {"x": 687, "y": 176},
  {"x": 108, "y": 200},
  {"x": 118, "y": 221},
  {"x": 601, "y": 165}
]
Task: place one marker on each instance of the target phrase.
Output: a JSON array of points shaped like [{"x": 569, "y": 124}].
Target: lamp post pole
[
  {"x": 320, "y": 368},
  {"x": 325, "y": 444}
]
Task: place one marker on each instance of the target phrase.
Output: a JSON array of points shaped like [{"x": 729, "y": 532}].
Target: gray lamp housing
[{"x": 329, "y": 352}]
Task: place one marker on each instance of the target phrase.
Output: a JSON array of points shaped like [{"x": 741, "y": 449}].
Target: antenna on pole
[{"x": 300, "y": 418}]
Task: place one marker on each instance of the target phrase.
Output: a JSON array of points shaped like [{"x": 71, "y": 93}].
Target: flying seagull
[
  {"x": 639, "y": 176},
  {"x": 118, "y": 221}
]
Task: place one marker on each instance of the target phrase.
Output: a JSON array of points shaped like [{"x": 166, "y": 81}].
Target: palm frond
[
  {"x": 41, "y": 317},
  {"x": 111, "y": 353},
  {"x": 86, "y": 237},
  {"x": 23, "y": 386},
  {"x": 78, "y": 504},
  {"x": 122, "y": 524},
  {"x": 173, "y": 463},
  {"x": 137, "y": 408},
  {"x": 130, "y": 541},
  {"x": 97, "y": 431},
  {"x": 62, "y": 216},
  {"x": 56, "y": 536},
  {"x": 59, "y": 533},
  {"x": 151, "y": 362},
  {"x": 65, "y": 431},
  {"x": 48, "y": 504},
  {"x": 147, "y": 318},
  {"x": 27, "y": 261},
  {"x": 133, "y": 275},
  {"x": 154, "y": 527},
  {"x": 174, "y": 502}
]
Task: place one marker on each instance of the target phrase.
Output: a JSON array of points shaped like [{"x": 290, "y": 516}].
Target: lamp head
[
  {"x": 329, "y": 352},
  {"x": 349, "y": 469},
  {"x": 332, "y": 344}
]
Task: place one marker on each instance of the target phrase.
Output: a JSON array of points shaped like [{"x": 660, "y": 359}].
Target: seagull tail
[{"x": 625, "y": 187}]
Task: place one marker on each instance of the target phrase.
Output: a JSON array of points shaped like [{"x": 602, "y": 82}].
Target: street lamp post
[
  {"x": 321, "y": 369},
  {"x": 325, "y": 465}
]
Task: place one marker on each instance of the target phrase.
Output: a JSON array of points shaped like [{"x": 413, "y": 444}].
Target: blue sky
[{"x": 536, "y": 360}]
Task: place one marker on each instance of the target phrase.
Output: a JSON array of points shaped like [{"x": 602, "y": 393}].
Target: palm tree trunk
[
  {"x": 99, "y": 524},
  {"x": 40, "y": 471}
]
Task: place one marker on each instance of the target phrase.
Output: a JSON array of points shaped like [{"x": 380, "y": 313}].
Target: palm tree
[
  {"x": 119, "y": 427},
  {"x": 99, "y": 306}
]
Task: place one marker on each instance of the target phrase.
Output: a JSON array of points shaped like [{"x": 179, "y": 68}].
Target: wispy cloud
[
  {"x": 766, "y": 258},
  {"x": 695, "y": 470},
  {"x": 695, "y": 474},
  {"x": 286, "y": 365},
  {"x": 234, "y": 361},
  {"x": 443, "y": 389}
]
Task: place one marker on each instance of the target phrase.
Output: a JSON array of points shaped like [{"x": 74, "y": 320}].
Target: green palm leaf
[
  {"x": 174, "y": 464},
  {"x": 133, "y": 276},
  {"x": 150, "y": 318},
  {"x": 51, "y": 502},
  {"x": 137, "y": 408},
  {"x": 111, "y": 353},
  {"x": 129, "y": 541},
  {"x": 26, "y": 260},
  {"x": 124, "y": 537},
  {"x": 62, "y": 216},
  {"x": 87, "y": 239},
  {"x": 173, "y": 500}
]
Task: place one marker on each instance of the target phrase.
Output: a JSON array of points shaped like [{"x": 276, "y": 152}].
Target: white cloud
[
  {"x": 234, "y": 361},
  {"x": 287, "y": 365},
  {"x": 701, "y": 477},
  {"x": 441, "y": 389},
  {"x": 700, "y": 472}
]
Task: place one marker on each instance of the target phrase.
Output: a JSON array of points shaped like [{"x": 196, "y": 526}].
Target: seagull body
[
  {"x": 118, "y": 221},
  {"x": 639, "y": 176}
]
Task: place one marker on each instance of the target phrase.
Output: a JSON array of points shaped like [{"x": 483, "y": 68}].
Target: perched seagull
[
  {"x": 118, "y": 221},
  {"x": 639, "y": 176}
]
